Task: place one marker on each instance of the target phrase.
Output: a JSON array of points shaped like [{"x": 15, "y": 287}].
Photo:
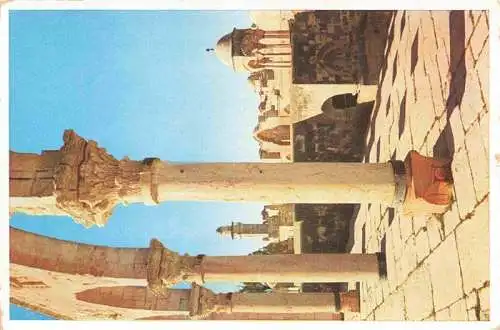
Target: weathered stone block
[
  {"x": 463, "y": 182},
  {"x": 418, "y": 295},
  {"x": 478, "y": 160},
  {"x": 445, "y": 273},
  {"x": 473, "y": 248}
]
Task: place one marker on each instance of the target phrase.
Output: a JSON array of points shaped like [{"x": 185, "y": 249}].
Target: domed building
[
  {"x": 308, "y": 66},
  {"x": 250, "y": 50}
]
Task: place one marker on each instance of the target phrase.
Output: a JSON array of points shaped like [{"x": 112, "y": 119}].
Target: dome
[{"x": 224, "y": 50}]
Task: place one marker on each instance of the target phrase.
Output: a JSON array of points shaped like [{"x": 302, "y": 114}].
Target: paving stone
[
  {"x": 485, "y": 14},
  {"x": 483, "y": 72},
  {"x": 386, "y": 289},
  {"x": 433, "y": 135},
  {"x": 471, "y": 315},
  {"x": 443, "y": 315},
  {"x": 458, "y": 311},
  {"x": 451, "y": 219},
  {"x": 371, "y": 317},
  {"x": 378, "y": 294},
  {"x": 478, "y": 160},
  {"x": 484, "y": 121},
  {"x": 393, "y": 137},
  {"x": 406, "y": 227},
  {"x": 392, "y": 309},
  {"x": 479, "y": 38},
  {"x": 484, "y": 298},
  {"x": 418, "y": 295},
  {"x": 405, "y": 144},
  {"x": 473, "y": 248},
  {"x": 457, "y": 129},
  {"x": 445, "y": 273},
  {"x": 472, "y": 101},
  {"x": 463, "y": 183},
  {"x": 422, "y": 248},
  {"x": 408, "y": 260},
  {"x": 441, "y": 21},
  {"x": 469, "y": 27},
  {"x": 434, "y": 232},
  {"x": 472, "y": 303},
  {"x": 474, "y": 15},
  {"x": 419, "y": 223},
  {"x": 396, "y": 238},
  {"x": 443, "y": 64},
  {"x": 421, "y": 112},
  {"x": 392, "y": 272}
]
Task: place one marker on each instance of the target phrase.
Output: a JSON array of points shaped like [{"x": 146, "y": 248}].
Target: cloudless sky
[{"x": 141, "y": 84}]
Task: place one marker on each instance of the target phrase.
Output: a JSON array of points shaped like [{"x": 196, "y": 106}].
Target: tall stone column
[
  {"x": 203, "y": 302},
  {"x": 83, "y": 181},
  {"x": 162, "y": 268},
  {"x": 166, "y": 268}
]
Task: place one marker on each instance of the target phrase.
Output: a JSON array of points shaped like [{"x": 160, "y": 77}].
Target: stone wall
[
  {"x": 285, "y": 217},
  {"x": 325, "y": 227},
  {"x": 338, "y": 47},
  {"x": 325, "y": 139}
]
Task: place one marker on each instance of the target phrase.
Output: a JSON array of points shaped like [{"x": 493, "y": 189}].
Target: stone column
[
  {"x": 203, "y": 302},
  {"x": 162, "y": 268},
  {"x": 83, "y": 181},
  {"x": 166, "y": 268}
]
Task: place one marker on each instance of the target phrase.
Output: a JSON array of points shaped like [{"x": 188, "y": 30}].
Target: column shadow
[{"x": 445, "y": 145}]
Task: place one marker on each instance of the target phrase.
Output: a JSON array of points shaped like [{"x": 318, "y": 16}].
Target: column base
[
  {"x": 347, "y": 301},
  {"x": 429, "y": 185}
]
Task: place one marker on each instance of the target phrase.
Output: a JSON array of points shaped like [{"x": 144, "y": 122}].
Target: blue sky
[{"x": 141, "y": 84}]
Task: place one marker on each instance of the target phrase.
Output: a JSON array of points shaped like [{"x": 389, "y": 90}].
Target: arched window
[
  {"x": 343, "y": 101},
  {"x": 339, "y": 107}
]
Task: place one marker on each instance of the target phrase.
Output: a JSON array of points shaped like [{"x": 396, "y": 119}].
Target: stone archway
[{"x": 340, "y": 106}]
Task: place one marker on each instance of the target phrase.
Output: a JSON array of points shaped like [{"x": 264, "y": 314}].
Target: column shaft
[
  {"x": 276, "y": 302},
  {"x": 277, "y": 183},
  {"x": 290, "y": 268}
]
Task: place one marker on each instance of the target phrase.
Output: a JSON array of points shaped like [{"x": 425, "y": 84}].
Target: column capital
[
  {"x": 88, "y": 182},
  {"x": 166, "y": 268},
  {"x": 204, "y": 302}
]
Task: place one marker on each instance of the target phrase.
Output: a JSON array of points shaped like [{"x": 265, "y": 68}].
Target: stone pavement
[{"x": 433, "y": 98}]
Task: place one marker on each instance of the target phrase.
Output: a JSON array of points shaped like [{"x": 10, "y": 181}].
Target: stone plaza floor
[{"x": 432, "y": 98}]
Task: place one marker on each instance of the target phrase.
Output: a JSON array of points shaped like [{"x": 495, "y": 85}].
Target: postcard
[{"x": 249, "y": 165}]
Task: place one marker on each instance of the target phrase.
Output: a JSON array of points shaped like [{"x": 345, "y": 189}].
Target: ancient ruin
[
  {"x": 71, "y": 280},
  {"x": 83, "y": 181},
  {"x": 424, "y": 78}
]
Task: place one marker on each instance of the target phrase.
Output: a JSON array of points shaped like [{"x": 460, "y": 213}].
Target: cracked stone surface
[{"x": 433, "y": 98}]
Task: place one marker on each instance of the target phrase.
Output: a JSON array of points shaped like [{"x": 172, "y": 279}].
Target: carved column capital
[
  {"x": 89, "y": 182},
  {"x": 204, "y": 302},
  {"x": 166, "y": 268}
]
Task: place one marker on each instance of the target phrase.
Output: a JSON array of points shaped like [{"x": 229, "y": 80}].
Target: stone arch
[
  {"x": 136, "y": 297},
  {"x": 340, "y": 106},
  {"x": 32, "y": 250}
]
